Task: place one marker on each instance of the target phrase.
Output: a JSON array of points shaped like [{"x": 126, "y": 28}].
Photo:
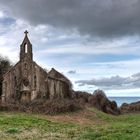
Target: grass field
[{"x": 89, "y": 124}]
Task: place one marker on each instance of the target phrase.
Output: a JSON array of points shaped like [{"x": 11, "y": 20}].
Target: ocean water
[{"x": 121, "y": 100}]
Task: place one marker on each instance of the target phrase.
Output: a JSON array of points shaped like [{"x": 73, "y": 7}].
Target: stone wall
[
  {"x": 39, "y": 85},
  {"x": 57, "y": 88},
  {"x": 10, "y": 83},
  {"x": 27, "y": 81}
]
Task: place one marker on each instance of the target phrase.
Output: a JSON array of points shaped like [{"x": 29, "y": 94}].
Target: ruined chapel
[{"x": 27, "y": 81}]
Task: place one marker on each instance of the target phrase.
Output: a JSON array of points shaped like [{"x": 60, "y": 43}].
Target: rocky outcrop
[
  {"x": 133, "y": 107},
  {"x": 98, "y": 100},
  {"x": 101, "y": 102}
]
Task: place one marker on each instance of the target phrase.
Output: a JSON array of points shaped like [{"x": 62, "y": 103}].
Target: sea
[{"x": 121, "y": 100}]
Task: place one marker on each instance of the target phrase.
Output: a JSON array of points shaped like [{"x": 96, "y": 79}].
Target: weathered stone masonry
[{"x": 27, "y": 81}]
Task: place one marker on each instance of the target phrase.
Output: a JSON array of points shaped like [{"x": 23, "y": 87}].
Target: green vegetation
[
  {"x": 4, "y": 67},
  {"x": 89, "y": 124}
]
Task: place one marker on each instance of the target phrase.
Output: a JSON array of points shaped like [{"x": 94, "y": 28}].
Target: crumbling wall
[
  {"x": 10, "y": 83},
  {"x": 39, "y": 88},
  {"x": 57, "y": 88},
  {"x": 27, "y": 81}
]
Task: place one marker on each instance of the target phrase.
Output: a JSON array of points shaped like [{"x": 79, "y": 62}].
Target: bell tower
[{"x": 26, "y": 48}]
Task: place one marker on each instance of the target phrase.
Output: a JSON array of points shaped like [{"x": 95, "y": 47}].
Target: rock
[
  {"x": 101, "y": 102},
  {"x": 98, "y": 100},
  {"x": 133, "y": 107}
]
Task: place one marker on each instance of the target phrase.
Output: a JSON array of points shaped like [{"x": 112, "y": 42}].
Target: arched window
[
  {"x": 35, "y": 81},
  {"x": 25, "y": 65},
  {"x": 15, "y": 80},
  {"x": 26, "y": 48},
  {"x": 5, "y": 88}
]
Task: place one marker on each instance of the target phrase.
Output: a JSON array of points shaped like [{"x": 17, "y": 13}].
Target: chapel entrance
[{"x": 25, "y": 96}]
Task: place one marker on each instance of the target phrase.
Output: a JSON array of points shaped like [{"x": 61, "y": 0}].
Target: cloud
[
  {"x": 72, "y": 72},
  {"x": 1, "y": 14},
  {"x": 103, "y": 18},
  {"x": 115, "y": 47},
  {"x": 114, "y": 82}
]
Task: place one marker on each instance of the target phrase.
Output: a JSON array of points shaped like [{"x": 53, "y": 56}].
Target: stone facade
[{"x": 27, "y": 81}]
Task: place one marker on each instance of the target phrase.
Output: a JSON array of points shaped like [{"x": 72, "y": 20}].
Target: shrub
[{"x": 12, "y": 130}]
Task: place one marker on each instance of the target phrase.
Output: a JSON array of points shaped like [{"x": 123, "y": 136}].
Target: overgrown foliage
[
  {"x": 43, "y": 106},
  {"x": 79, "y": 100},
  {"x": 4, "y": 67}
]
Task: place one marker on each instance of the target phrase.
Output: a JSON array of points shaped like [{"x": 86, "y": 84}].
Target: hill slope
[{"x": 89, "y": 124}]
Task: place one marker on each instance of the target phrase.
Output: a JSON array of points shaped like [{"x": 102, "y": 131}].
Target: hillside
[{"x": 89, "y": 124}]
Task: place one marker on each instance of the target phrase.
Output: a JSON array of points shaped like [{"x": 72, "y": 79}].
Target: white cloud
[
  {"x": 113, "y": 82},
  {"x": 1, "y": 14},
  {"x": 124, "y": 92},
  {"x": 116, "y": 47}
]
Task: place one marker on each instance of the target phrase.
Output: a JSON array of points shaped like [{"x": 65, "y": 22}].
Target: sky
[{"x": 95, "y": 43}]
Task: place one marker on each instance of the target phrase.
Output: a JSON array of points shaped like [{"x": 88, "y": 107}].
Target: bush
[
  {"x": 12, "y": 130},
  {"x": 4, "y": 67},
  {"x": 79, "y": 100},
  {"x": 54, "y": 106},
  {"x": 44, "y": 106}
]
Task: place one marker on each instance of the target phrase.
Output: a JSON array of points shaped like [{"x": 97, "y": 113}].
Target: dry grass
[
  {"x": 89, "y": 124},
  {"x": 81, "y": 117}
]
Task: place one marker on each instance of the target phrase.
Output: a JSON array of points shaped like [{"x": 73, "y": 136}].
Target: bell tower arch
[{"x": 26, "y": 48}]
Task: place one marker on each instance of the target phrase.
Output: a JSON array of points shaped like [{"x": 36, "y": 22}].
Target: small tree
[{"x": 4, "y": 67}]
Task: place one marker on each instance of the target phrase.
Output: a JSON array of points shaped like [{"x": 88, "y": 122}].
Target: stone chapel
[{"x": 27, "y": 81}]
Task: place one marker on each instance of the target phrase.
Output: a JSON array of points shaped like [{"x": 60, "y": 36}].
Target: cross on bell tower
[
  {"x": 26, "y": 48},
  {"x": 26, "y": 32}
]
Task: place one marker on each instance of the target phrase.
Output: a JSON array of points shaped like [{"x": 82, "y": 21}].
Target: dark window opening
[
  {"x": 15, "y": 80},
  {"x": 5, "y": 88},
  {"x": 35, "y": 82},
  {"x": 25, "y": 66}
]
